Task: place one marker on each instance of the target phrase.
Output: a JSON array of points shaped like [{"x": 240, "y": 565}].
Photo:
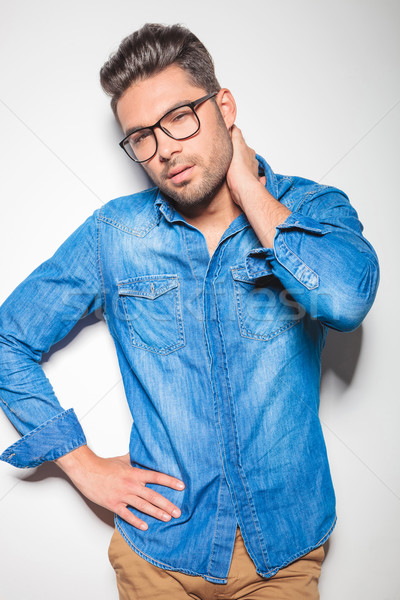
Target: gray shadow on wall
[{"x": 341, "y": 354}]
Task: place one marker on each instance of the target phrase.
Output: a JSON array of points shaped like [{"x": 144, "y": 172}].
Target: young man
[{"x": 217, "y": 285}]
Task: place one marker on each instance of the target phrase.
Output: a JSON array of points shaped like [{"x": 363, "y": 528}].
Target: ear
[{"x": 227, "y": 106}]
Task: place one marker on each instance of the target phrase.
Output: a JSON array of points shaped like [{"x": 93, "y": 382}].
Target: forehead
[{"x": 146, "y": 101}]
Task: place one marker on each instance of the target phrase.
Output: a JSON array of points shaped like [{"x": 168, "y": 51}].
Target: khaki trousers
[{"x": 138, "y": 579}]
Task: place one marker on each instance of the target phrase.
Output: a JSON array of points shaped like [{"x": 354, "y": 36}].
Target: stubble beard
[{"x": 215, "y": 170}]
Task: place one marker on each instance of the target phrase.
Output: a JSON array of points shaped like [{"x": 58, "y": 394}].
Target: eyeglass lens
[{"x": 178, "y": 124}]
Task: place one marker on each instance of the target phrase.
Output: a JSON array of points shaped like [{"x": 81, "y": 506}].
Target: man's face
[{"x": 190, "y": 171}]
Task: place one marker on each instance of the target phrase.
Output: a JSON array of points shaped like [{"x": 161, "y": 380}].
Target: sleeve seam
[
  {"x": 8, "y": 407},
  {"x": 316, "y": 193},
  {"x": 98, "y": 263}
]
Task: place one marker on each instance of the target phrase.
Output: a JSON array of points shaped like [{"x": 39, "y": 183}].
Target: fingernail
[
  {"x": 176, "y": 512},
  {"x": 180, "y": 485},
  {"x": 166, "y": 517},
  {"x": 144, "y": 526}
]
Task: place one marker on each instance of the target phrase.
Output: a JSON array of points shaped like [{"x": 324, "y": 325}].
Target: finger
[
  {"x": 161, "y": 504},
  {"x": 132, "y": 519},
  {"x": 145, "y": 506},
  {"x": 160, "y": 478},
  {"x": 238, "y": 133}
]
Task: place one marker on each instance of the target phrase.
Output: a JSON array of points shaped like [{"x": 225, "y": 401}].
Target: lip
[{"x": 180, "y": 173}]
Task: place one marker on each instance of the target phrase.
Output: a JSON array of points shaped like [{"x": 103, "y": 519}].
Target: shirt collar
[
  {"x": 272, "y": 182},
  {"x": 165, "y": 208}
]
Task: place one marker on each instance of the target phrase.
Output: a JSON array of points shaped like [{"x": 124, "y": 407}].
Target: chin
[{"x": 190, "y": 194}]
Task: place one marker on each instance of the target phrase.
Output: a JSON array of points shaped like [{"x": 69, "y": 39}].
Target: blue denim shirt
[{"x": 220, "y": 359}]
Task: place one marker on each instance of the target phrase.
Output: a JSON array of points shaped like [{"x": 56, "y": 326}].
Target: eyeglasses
[{"x": 179, "y": 123}]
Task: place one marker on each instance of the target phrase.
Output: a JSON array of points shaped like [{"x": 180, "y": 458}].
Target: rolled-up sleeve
[
  {"x": 49, "y": 441},
  {"x": 38, "y": 314},
  {"x": 323, "y": 260}
]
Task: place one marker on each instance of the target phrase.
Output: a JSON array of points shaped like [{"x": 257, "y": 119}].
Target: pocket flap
[
  {"x": 151, "y": 288},
  {"x": 240, "y": 274}
]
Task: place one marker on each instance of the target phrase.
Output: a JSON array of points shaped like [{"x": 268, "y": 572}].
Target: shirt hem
[
  {"x": 222, "y": 580},
  {"x": 300, "y": 554},
  {"x": 165, "y": 566}
]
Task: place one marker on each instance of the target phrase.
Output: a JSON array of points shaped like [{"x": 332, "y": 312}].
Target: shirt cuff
[
  {"x": 50, "y": 440},
  {"x": 258, "y": 260},
  {"x": 298, "y": 221}
]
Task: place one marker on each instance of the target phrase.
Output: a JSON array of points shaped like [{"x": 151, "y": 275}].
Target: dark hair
[{"x": 151, "y": 49}]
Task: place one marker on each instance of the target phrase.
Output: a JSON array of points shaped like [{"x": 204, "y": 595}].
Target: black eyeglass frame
[{"x": 158, "y": 125}]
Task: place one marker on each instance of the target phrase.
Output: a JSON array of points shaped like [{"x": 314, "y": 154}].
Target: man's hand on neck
[
  {"x": 248, "y": 191},
  {"x": 243, "y": 191}
]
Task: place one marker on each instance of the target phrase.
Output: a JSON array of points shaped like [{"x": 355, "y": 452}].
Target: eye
[
  {"x": 139, "y": 137},
  {"x": 179, "y": 116},
  {"x": 176, "y": 117}
]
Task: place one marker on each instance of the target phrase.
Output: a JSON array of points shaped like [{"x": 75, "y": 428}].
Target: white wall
[{"x": 317, "y": 87}]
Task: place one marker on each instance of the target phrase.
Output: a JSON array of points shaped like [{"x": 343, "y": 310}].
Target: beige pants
[{"x": 138, "y": 579}]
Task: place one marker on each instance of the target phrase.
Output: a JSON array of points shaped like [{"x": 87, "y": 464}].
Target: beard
[{"x": 215, "y": 168}]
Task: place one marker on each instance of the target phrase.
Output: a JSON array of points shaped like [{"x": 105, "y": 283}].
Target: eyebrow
[{"x": 176, "y": 105}]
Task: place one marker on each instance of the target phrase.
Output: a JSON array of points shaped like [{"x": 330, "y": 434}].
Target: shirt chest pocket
[
  {"x": 152, "y": 310},
  {"x": 264, "y": 307}
]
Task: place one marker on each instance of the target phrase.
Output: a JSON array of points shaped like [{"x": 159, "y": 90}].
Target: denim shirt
[{"x": 220, "y": 358}]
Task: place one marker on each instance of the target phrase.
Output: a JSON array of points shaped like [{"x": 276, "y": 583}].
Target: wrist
[
  {"x": 245, "y": 188},
  {"x": 75, "y": 459},
  {"x": 249, "y": 191}
]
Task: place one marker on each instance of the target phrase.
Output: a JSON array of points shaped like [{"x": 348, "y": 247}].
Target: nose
[{"x": 166, "y": 146}]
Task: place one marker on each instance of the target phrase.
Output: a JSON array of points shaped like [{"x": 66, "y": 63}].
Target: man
[{"x": 218, "y": 286}]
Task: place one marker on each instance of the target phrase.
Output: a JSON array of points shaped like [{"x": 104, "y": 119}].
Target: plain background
[{"x": 318, "y": 93}]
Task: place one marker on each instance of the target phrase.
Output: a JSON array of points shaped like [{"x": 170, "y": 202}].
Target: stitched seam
[
  {"x": 303, "y": 263},
  {"x": 246, "y": 278},
  {"x": 315, "y": 189},
  {"x": 199, "y": 287},
  {"x": 146, "y": 278},
  {"x": 38, "y": 429},
  {"x": 247, "y": 333},
  {"x": 9, "y": 408},
  {"x": 145, "y": 294},
  {"x": 324, "y": 536},
  {"x": 168, "y": 348},
  {"x": 123, "y": 300},
  {"x": 158, "y": 562},
  {"x": 99, "y": 269},
  {"x": 253, "y": 336},
  {"x": 205, "y": 343},
  {"x": 229, "y": 396},
  {"x": 216, "y": 528},
  {"x": 315, "y": 192},
  {"x": 309, "y": 548},
  {"x": 218, "y": 412},
  {"x": 178, "y": 313},
  {"x": 306, "y": 266},
  {"x": 124, "y": 228}
]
